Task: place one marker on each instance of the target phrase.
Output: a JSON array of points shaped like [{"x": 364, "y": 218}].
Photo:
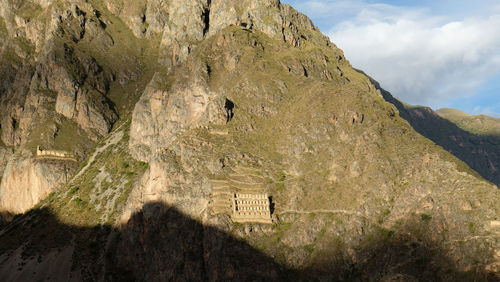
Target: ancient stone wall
[
  {"x": 242, "y": 196},
  {"x": 53, "y": 153},
  {"x": 251, "y": 208}
]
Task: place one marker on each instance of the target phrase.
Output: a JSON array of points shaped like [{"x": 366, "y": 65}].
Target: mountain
[
  {"x": 132, "y": 129},
  {"x": 479, "y": 125},
  {"x": 473, "y": 139}
]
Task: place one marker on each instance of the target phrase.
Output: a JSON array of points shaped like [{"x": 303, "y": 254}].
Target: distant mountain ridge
[
  {"x": 473, "y": 139},
  {"x": 476, "y": 124}
]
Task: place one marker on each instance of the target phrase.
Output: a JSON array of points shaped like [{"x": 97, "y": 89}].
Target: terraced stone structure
[
  {"x": 40, "y": 153},
  {"x": 251, "y": 208},
  {"x": 242, "y": 196}
]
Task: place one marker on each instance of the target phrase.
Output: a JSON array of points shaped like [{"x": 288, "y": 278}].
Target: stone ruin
[
  {"x": 53, "y": 154},
  {"x": 242, "y": 196},
  {"x": 251, "y": 208}
]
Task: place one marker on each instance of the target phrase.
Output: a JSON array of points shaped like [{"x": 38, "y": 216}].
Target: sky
[{"x": 436, "y": 53}]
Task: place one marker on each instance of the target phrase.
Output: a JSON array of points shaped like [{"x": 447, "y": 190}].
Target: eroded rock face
[
  {"x": 87, "y": 107},
  {"x": 169, "y": 113},
  {"x": 183, "y": 24},
  {"x": 50, "y": 86},
  {"x": 26, "y": 181},
  {"x": 78, "y": 80},
  {"x": 163, "y": 115}
]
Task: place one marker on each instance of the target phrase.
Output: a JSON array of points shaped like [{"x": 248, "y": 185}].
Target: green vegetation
[
  {"x": 425, "y": 217},
  {"x": 322, "y": 232},
  {"x": 29, "y": 10},
  {"x": 280, "y": 229},
  {"x": 73, "y": 190},
  {"x": 388, "y": 233},
  {"x": 127, "y": 53},
  {"x": 481, "y": 125},
  {"x": 25, "y": 45},
  {"x": 309, "y": 249},
  {"x": 471, "y": 227},
  {"x": 65, "y": 138},
  {"x": 99, "y": 193},
  {"x": 10, "y": 56},
  {"x": 281, "y": 177},
  {"x": 59, "y": 133},
  {"x": 79, "y": 201},
  {"x": 384, "y": 214},
  {"x": 3, "y": 28},
  {"x": 280, "y": 187}
]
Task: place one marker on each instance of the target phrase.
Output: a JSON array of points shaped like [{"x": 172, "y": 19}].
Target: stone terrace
[{"x": 242, "y": 183}]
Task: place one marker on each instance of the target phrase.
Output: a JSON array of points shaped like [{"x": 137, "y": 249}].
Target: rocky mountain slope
[
  {"x": 164, "y": 103},
  {"x": 474, "y": 140}
]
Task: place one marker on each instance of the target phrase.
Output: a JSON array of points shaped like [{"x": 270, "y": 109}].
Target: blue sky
[{"x": 442, "y": 53}]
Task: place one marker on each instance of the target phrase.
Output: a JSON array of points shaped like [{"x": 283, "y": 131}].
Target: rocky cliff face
[
  {"x": 184, "y": 23},
  {"x": 247, "y": 96},
  {"x": 46, "y": 65},
  {"x": 26, "y": 181},
  {"x": 55, "y": 94}
]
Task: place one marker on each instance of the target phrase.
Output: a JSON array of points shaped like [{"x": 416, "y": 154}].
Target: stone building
[
  {"x": 241, "y": 195},
  {"x": 251, "y": 208},
  {"x": 53, "y": 154}
]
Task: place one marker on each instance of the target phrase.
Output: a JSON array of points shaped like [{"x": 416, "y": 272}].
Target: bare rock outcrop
[
  {"x": 183, "y": 24},
  {"x": 52, "y": 92},
  {"x": 162, "y": 115},
  {"x": 79, "y": 82},
  {"x": 26, "y": 181}
]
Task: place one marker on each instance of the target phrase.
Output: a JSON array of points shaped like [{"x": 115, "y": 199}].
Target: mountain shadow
[
  {"x": 159, "y": 243},
  {"x": 479, "y": 152}
]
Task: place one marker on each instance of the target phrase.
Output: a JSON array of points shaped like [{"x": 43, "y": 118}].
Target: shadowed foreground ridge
[{"x": 161, "y": 244}]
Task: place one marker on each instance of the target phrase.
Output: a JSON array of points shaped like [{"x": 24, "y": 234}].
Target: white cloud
[
  {"x": 484, "y": 111},
  {"x": 421, "y": 58},
  {"x": 328, "y": 8}
]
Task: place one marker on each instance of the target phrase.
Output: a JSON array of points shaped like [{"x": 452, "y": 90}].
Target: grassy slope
[
  {"x": 480, "y": 125},
  {"x": 97, "y": 195}
]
